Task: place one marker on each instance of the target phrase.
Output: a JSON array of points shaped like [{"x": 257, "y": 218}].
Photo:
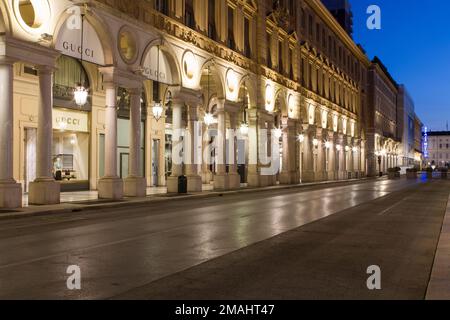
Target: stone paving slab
[
  {"x": 439, "y": 286},
  {"x": 327, "y": 259}
]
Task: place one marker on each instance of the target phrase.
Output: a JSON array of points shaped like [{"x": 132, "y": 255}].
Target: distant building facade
[
  {"x": 438, "y": 148},
  {"x": 383, "y": 142},
  {"x": 418, "y": 142},
  {"x": 406, "y": 126}
]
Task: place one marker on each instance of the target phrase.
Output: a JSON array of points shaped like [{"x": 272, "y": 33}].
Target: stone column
[
  {"x": 332, "y": 156},
  {"x": 207, "y": 175},
  {"x": 253, "y": 140},
  {"x": 221, "y": 179},
  {"x": 177, "y": 142},
  {"x": 10, "y": 190},
  {"x": 110, "y": 186},
  {"x": 271, "y": 179},
  {"x": 345, "y": 166},
  {"x": 135, "y": 185},
  {"x": 320, "y": 155},
  {"x": 45, "y": 190},
  {"x": 308, "y": 151},
  {"x": 289, "y": 173},
  {"x": 340, "y": 156},
  {"x": 193, "y": 147},
  {"x": 234, "y": 177}
]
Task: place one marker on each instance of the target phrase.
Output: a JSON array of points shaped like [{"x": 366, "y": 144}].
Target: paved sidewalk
[
  {"x": 439, "y": 286},
  {"x": 89, "y": 201}
]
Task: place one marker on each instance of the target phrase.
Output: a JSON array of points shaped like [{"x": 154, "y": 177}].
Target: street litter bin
[{"x": 182, "y": 184}]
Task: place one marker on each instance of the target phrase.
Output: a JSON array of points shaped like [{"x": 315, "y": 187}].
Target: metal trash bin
[{"x": 182, "y": 184}]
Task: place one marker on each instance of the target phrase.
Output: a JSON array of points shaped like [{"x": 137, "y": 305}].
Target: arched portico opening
[
  {"x": 212, "y": 92},
  {"x": 243, "y": 125},
  {"x": 161, "y": 69},
  {"x": 279, "y": 113}
]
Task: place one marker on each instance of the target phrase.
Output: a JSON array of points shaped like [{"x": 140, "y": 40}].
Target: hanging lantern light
[
  {"x": 157, "y": 111},
  {"x": 209, "y": 119},
  {"x": 278, "y": 133},
  {"x": 244, "y": 129},
  {"x": 301, "y": 138},
  {"x": 315, "y": 142},
  {"x": 80, "y": 93},
  {"x": 158, "y": 108}
]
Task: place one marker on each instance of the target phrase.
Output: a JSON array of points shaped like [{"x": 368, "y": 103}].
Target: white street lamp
[
  {"x": 209, "y": 119},
  {"x": 327, "y": 144},
  {"x": 157, "y": 111},
  {"x": 301, "y": 138},
  {"x": 80, "y": 93},
  {"x": 315, "y": 142},
  {"x": 278, "y": 133},
  {"x": 244, "y": 129}
]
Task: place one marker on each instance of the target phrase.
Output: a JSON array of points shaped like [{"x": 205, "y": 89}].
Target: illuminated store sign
[
  {"x": 70, "y": 121},
  {"x": 425, "y": 142},
  {"x": 69, "y": 44},
  {"x": 151, "y": 68}
]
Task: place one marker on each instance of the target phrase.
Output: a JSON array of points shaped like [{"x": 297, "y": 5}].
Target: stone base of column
[
  {"x": 135, "y": 187},
  {"x": 253, "y": 180},
  {"x": 234, "y": 180},
  {"x": 44, "y": 192},
  {"x": 194, "y": 183},
  {"x": 207, "y": 177},
  {"x": 10, "y": 195},
  {"x": 266, "y": 181},
  {"x": 318, "y": 176},
  {"x": 172, "y": 184},
  {"x": 221, "y": 182},
  {"x": 110, "y": 188},
  {"x": 289, "y": 177},
  {"x": 332, "y": 176},
  {"x": 308, "y": 177}
]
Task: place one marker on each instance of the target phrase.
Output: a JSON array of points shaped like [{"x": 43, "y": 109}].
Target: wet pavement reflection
[{"x": 127, "y": 248}]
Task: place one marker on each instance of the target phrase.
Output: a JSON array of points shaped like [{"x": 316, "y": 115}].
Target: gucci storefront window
[{"x": 71, "y": 133}]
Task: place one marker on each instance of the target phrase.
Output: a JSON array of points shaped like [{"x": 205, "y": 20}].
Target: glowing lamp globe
[
  {"x": 157, "y": 111},
  {"x": 80, "y": 95},
  {"x": 209, "y": 119},
  {"x": 315, "y": 142},
  {"x": 244, "y": 129},
  {"x": 278, "y": 133}
]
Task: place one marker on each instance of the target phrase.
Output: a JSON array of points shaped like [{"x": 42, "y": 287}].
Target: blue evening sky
[{"x": 414, "y": 44}]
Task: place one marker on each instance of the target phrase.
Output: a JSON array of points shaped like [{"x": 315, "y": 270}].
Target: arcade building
[{"x": 92, "y": 93}]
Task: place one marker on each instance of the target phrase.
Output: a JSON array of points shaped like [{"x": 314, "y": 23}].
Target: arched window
[{"x": 68, "y": 75}]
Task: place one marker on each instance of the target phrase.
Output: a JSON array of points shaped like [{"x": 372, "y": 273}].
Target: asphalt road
[{"x": 122, "y": 252}]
